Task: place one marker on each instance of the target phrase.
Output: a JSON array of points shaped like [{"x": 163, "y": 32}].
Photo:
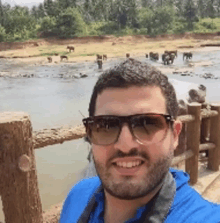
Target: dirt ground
[{"x": 86, "y": 48}]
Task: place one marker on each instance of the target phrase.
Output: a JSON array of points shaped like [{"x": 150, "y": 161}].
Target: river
[{"x": 53, "y": 101}]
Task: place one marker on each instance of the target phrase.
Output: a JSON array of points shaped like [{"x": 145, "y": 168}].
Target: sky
[{"x": 28, "y": 3}]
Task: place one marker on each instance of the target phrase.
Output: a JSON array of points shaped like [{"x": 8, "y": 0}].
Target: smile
[{"x": 129, "y": 164}]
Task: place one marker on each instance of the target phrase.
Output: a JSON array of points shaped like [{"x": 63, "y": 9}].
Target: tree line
[{"x": 71, "y": 18}]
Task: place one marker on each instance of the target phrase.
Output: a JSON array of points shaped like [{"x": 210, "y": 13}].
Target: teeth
[{"x": 128, "y": 164}]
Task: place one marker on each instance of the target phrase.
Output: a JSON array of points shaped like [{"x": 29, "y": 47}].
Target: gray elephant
[
  {"x": 168, "y": 58},
  {"x": 187, "y": 55},
  {"x": 154, "y": 56},
  {"x": 171, "y": 52}
]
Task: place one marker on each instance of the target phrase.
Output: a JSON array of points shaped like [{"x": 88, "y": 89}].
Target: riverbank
[{"x": 36, "y": 52}]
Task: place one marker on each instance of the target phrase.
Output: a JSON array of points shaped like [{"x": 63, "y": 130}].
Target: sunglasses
[{"x": 146, "y": 128}]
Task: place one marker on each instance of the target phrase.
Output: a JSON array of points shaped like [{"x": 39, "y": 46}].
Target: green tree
[
  {"x": 64, "y": 4},
  {"x": 146, "y": 19},
  {"x": 20, "y": 24},
  {"x": 147, "y": 3},
  {"x": 70, "y": 23},
  {"x": 163, "y": 19},
  {"x": 47, "y": 26},
  {"x": 1, "y": 14},
  {"x": 218, "y": 7},
  {"x": 5, "y": 11},
  {"x": 157, "y": 21},
  {"x": 124, "y": 12},
  {"x": 40, "y": 11},
  {"x": 179, "y": 8},
  {"x": 211, "y": 12},
  {"x": 2, "y": 34},
  {"x": 190, "y": 13},
  {"x": 201, "y": 8},
  {"x": 51, "y": 8}
]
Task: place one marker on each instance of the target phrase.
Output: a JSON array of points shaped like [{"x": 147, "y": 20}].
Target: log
[
  {"x": 206, "y": 146},
  {"x": 193, "y": 142},
  {"x": 184, "y": 156},
  {"x": 213, "y": 163},
  {"x": 48, "y": 137},
  {"x": 205, "y": 113},
  {"x": 185, "y": 118},
  {"x": 19, "y": 186}
]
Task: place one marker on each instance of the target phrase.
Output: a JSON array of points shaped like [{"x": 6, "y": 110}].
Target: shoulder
[
  {"x": 78, "y": 198},
  {"x": 189, "y": 206}
]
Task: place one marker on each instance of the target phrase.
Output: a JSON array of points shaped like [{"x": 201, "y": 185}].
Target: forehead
[{"x": 129, "y": 101}]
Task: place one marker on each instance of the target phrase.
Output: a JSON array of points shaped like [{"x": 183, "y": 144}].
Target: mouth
[
  {"x": 128, "y": 168},
  {"x": 128, "y": 165}
]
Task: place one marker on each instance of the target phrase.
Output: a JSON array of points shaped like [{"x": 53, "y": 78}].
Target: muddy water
[{"x": 56, "y": 96}]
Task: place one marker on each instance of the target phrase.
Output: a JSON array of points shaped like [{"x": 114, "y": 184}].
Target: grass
[{"x": 207, "y": 25}]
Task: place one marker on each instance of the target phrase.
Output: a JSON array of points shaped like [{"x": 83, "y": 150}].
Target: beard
[{"x": 129, "y": 188}]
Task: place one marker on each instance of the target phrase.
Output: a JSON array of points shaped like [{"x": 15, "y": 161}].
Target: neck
[{"x": 118, "y": 210}]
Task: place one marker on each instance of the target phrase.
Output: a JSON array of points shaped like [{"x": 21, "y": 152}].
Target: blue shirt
[{"x": 187, "y": 207}]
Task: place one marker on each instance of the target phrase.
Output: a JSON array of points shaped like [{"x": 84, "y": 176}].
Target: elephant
[
  {"x": 188, "y": 55},
  {"x": 154, "y": 56},
  {"x": 99, "y": 57},
  {"x": 171, "y": 52},
  {"x": 168, "y": 58},
  {"x": 104, "y": 56},
  {"x": 49, "y": 59},
  {"x": 146, "y": 55},
  {"x": 127, "y": 55},
  {"x": 63, "y": 57},
  {"x": 99, "y": 62},
  {"x": 71, "y": 48}
]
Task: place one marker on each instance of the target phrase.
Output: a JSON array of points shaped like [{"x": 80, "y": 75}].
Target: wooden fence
[{"x": 19, "y": 186}]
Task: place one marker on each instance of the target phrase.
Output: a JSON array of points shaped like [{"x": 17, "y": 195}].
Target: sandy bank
[{"x": 86, "y": 48}]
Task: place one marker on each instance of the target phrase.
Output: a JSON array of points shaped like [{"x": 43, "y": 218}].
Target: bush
[
  {"x": 209, "y": 25},
  {"x": 2, "y": 34},
  {"x": 47, "y": 24},
  {"x": 108, "y": 28},
  {"x": 70, "y": 24},
  {"x": 95, "y": 28}
]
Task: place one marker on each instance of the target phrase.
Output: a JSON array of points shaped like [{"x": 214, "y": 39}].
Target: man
[{"x": 133, "y": 132}]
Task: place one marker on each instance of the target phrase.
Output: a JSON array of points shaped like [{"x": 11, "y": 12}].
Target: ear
[{"x": 177, "y": 127}]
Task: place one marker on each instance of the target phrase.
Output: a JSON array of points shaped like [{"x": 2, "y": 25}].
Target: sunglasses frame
[{"x": 124, "y": 119}]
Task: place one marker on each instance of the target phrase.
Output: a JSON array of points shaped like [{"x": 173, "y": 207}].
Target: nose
[{"x": 126, "y": 141}]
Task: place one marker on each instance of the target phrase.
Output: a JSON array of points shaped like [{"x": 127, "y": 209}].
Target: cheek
[
  {"x": 101, "y": 154},
  {"x": 158, "y": 151}
]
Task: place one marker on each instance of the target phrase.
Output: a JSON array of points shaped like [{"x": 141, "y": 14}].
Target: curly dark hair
[{"x": 135, "y": 73}]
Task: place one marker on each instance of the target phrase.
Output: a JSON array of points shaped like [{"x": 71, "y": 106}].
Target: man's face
[{"x": 127, "y": 168}]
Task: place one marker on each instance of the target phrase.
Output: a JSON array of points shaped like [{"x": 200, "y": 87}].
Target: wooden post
[
  {"x": 193, "y": 142},
  {"x": 205, "y": 129},
  {"x": 18, "y": 184},
  {"x": 213, "y": 162},
  {"x": 181, "y": 148}
]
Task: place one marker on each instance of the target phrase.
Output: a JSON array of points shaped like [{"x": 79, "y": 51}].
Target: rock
[{"x": 83, "y": 75}]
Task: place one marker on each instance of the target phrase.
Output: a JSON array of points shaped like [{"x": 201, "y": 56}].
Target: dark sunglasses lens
[
  {"x": 103, "y": 130},
  {"x": 149, "y": 128}
]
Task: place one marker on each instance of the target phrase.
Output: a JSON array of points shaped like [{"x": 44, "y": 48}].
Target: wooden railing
[{"x": 19, "y": 185}]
